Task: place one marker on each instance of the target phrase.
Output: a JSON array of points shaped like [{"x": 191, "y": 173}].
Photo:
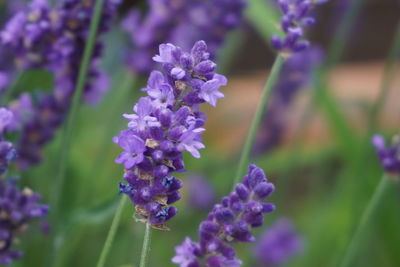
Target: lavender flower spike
[
  {"x": 279, "y": 243},
  {"x": 18, "y": 208},
  {"x": 163, "y": 125},
  {"x": 295, "y": 16},
  {"x": 388, "y": 155},
  {"x": 228, "y": 222}
]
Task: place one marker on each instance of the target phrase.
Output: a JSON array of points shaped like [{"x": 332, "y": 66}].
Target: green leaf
[{"x": 35, "y": 79}]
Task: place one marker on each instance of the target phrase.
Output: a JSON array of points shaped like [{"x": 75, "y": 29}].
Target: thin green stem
[
  {"x": 248, "y": 145},
  {"x": 70, "y": 123},
  {"x": 366, "y": 219},
  {"x": 56, "y": 196},
  {"x": 146, "y": 246},
  {"x": 387, "y": 80},
  {"x": 111, "y": 233}
]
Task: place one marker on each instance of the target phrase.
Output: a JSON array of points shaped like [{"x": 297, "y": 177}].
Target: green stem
[
  {"x": 273, "y": 77},
  {"x": 70, "y": 123},
  {"x": 366, "y": 219},
  {"x": 111, "y": 233},
  {"x": 146, "y": 246},
  {"x": 56, "y": 196},
  {"x": 387, "y": 80}
]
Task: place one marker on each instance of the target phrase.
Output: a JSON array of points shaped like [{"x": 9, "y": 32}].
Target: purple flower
[
  {"x": 164, "y": 124},
  {"x": 209, "y": 90},
  {"x": 278, "y": 244},
  {"x": 53, "y": 38},
  {"x": 388, "y": 155},
  {"x": 296, "y": 15},
  {"x": 133, "y": 148},
  {"x": 201, "y": 193},
  {"x": 181, "y": 23},
  {"x": 18, "y": 208},
  {"x": 22, "y": 109},
  {"x": 228, "y": 222}
]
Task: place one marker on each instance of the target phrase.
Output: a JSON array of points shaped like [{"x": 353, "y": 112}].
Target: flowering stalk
[
  {"x": 146, "y": 246},
  {"x": 230, "y": 221}
]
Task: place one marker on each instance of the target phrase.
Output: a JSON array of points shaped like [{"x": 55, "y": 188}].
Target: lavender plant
[
  {"x": 17, "y": 207},
  {"x": 164, "y": 124},
  {"x": 229, "y": 222},
  {"x": 278, "y": 244},
  {"x": 181, "y": 23},
  {"x": 53, "y": 38}
]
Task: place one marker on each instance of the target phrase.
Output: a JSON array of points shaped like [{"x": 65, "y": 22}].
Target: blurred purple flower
[
  {"x": 201, "y": 193},
  {"x": 181, "y": 23},
  {"x": 296, "y": 74},
  {"x": 18, "y": 208},
  {"x": 164, "y": 124},
  {"x": 278, "y": 244},
  {"x": 53, "y": 38},
  {"x": 228, "y": 222},
  {"x": 295, "y": 16},
  {"x": 388, "y": 155}
]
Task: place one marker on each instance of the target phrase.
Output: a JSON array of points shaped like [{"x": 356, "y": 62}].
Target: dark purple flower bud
[
  {"x": 242, "y": 192},
  {"x": 205, "y": 67},
  {"x": 224, "y": 215},
  {"x": 264, "y": 189},
  {"x": 161, "y": 171}
]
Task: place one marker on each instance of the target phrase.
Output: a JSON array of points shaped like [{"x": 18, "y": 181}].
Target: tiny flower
[
  {"x": 133, "y": 149},
  {"x": 209, "y": 90},
  {"x": 388, "y": 155}
]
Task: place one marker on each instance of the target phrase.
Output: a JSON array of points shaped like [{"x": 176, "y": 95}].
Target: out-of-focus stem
[
  {"x": 367, "y": 218},
  {"x": 248, "y": 145}
]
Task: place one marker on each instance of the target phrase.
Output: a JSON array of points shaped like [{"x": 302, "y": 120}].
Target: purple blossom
[
  {"x": 181, "y": 23},
  {"x": 6, "y": 118},
  {"x": 164, "y": 124},
  {"x": 388, "y": 155},
  {"x": 278, "y": 244},
  {"x": 133, "y": 148},
  {"x": 7, "y": 151},
  {"x": 201, "y": 194},
  {"x": 18, "y": 208},
  {"x": 295, "y": 16},
  {"x": 53, "y": 38},
  {"x": 229, "y": 222},
  {"x": 296, "y": 74}
]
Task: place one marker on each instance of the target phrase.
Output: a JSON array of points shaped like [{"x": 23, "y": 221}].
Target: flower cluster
[
  {"x": 388, "y": 155},
  {"x": 17, "y": 209},
  {"x": 164, "y": 124},
  {"x": 181, "y": 23},
  {"x": 54, "y": 38},
  {"x": 230, "y": 221},
  {"x": 279, "y": 243},
  {"x": 296, "y": 74},
  {"x": 296, "y": 15},
  {"x": 7, "y": 151}
]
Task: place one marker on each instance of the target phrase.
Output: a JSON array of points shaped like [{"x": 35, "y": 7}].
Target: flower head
[
  {"x": 228, "y": 222},
  {"x": 18, "y": 208},
  {"x": 278, "y": 243},
  {"x": 295, "y": 16},
  {"x": 163, "y": 125}
]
